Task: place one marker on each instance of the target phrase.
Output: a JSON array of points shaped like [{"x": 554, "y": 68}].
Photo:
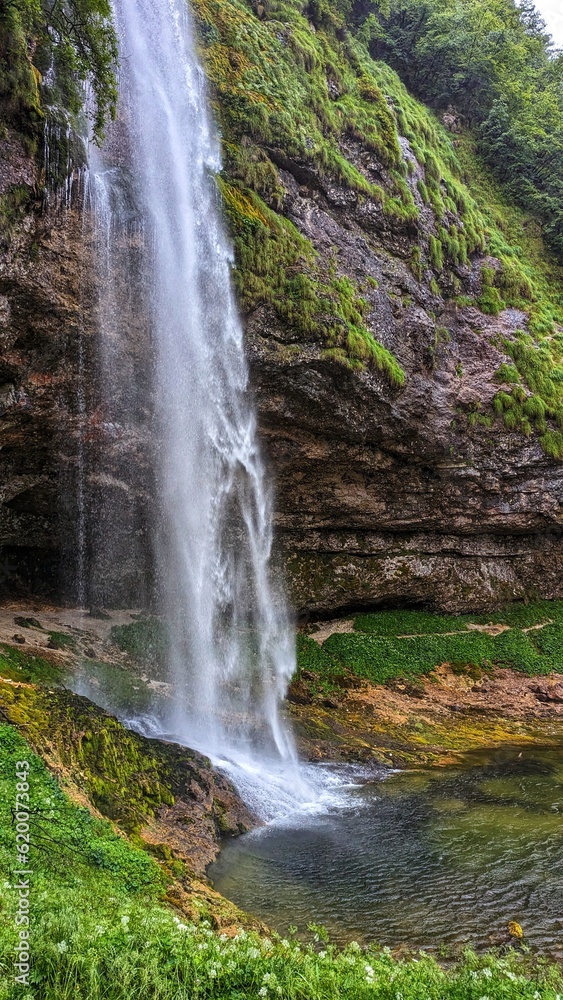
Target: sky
[{"x": 552, "y": 13}]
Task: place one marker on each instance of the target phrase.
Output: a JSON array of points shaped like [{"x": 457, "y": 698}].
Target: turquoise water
[{"x": 426, "y": 858}]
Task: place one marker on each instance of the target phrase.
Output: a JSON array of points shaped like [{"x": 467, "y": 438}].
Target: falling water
[{"x": 232, "y": 651}]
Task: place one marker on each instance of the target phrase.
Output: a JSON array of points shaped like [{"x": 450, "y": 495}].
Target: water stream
[{"x": 232, "y": 645}]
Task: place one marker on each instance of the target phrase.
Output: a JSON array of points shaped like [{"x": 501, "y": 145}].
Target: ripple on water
[{"x": 422, "y": 858}]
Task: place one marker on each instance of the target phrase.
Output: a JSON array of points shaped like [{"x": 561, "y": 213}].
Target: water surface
[{"x": 423, "y": 858}]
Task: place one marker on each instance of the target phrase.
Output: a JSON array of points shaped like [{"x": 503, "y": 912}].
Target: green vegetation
[
  {"x": 492, "y": 61},
  {"x": 98, "y": 931},
  {"x": 75, "y": 38},
  {"x": 145, "y": 640},
  {"x": 278, "y": 267},
  {"x": 404, "y": 644},
  {"x": 296, "y": 90},
  {"x": 536, "y": 288},
  {"x": 270, "y": 80},
  {"x": 17, "y": 665},
  {"x": 120, "y": 774}
]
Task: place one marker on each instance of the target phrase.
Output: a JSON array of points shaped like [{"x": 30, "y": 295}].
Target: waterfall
[{"x": 231, "y": 640}]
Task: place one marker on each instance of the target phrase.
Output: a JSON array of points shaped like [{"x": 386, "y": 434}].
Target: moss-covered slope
[
  {"x": 403, "y": 321},
  {"x": 295, "y": 91}
]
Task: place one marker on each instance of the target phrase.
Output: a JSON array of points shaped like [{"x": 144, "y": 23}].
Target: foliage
[
  {"x": 271, "y": 81},
  {"x": 74, "y": 40},
  {"x": 279, "y": 268},
  {"x": 69, "y": 846},
  {"x": 388, "y": 644},
  {"x": 295, "y": 91},
  {"x": 531, "y": 397},
  {"x": 99, "y": 933},
  {"x": 126, "y": 778},
  {"x": 493, "y": 62}
]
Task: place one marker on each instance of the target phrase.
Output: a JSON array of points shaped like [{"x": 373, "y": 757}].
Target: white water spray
[{"x": 232, "y": 647}]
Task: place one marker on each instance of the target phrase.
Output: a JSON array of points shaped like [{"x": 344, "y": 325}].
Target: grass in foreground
[{"x": 99, "y": 931}]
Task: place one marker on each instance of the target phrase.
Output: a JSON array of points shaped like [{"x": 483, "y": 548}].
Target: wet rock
[
  {"x": 168, "y": 794},
  {"x": 27, "y": 622},
  {"x": 383, "y": 494},
  {"x": 549, "y": 693}
]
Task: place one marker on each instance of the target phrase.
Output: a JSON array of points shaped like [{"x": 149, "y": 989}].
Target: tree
[{"x": 75, "y": 38}]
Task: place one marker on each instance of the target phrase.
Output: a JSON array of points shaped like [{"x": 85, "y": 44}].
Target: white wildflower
[
  {"x": 487, "y": 973},
  {"x": 125, "y": 920},
  {"x": 62, "y": 946}
]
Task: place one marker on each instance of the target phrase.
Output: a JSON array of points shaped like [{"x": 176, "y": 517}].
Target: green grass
[
  {"x": 71, "y": 849},
  {"x": 294, "y": 90},
  {"x": 405, "y": 644},
  {"x": 99, "y": 931},
  {"x": 269, "y": 84},
  {"x": 20, "y": 665},
  {"x": 530, "y": 279}
]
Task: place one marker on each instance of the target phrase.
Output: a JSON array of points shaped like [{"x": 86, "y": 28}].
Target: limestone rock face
[
  {"x": 401, "y": 495},
  {"x": 73, "y": 478},
  {"x": 383, "y": 494}
]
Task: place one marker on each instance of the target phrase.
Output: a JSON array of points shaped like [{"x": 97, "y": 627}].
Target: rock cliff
[
  {"x": 401, "y": 495},
  {"x": 397, "y": 478}
]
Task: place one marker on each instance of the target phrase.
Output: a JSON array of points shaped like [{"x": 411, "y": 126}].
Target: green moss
[
  {"x": 507, "y": 374},
  {"x": 316, "y": 666},
  {"x": 69, "y": 846},
  {"x": 17, "y": 665},
  {"x": 490, "y": 301},
  {"x": 145, "y": 640},
  {"x": 14, "y": 205},
  {"x": 279, "y": 268},
  {"x": 552, "y": 444},
  {"x": 120, "y": 776},
  {"x": 62, "y": 640},
  {"x": 307, "y": 101},
  {"x": 436, "y": 253}
]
